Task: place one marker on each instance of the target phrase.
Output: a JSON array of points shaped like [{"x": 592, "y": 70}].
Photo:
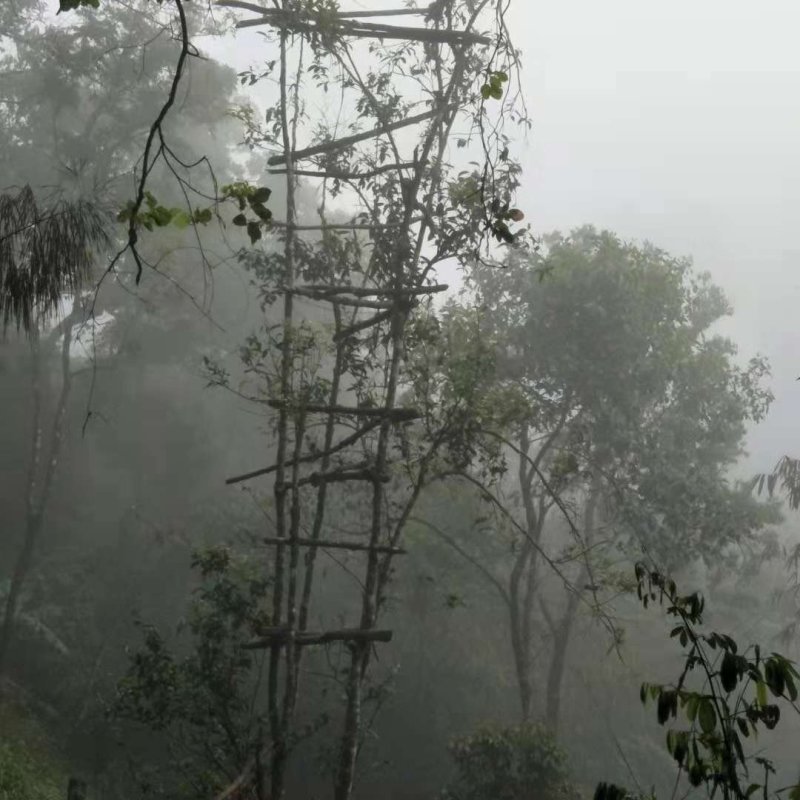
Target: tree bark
[
  {"x": 520, "y": 637},
  {"x": 523, "y": 584},
  {"x": 562, "y": 631},
  {"x": 36, "y": 499}
]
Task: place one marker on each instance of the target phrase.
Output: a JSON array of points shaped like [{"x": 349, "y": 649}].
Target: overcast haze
[
  {"x": 283, "y": 519},
  {"x": 679, "y": 123}
]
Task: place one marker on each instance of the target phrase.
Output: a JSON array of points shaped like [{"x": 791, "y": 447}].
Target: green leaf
[
  {"x": 770, "y": 715},
  {"x": 774, "y": 676},
  {"x": 181, "y": 219},
  {"x": 707, "y": 716},
  {"x": 486, "y": 91},
  {"x": 729, "y": 672},
  {"x": 162, "y": 216},
  {"x": 761, "y": 693},
  {"x": 260, "y": 195},
  {"x": 240, "y": 220},
  {"x": 667, "y": 705},
  {"x": 202, "y": 215},
  {"x": 692, "y": 704},
  {"x": 696, "y": 773},
  {"x": 263, "y": 213},
  {"x": 253, "y": 231},
  {"x": 790, "y": 686}
]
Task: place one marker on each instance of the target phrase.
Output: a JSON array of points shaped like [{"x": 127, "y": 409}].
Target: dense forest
[{"x": 324, "y": 472}]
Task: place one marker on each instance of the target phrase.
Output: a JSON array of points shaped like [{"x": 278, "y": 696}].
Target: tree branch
[
  {"x": 280, "y": 636},
  {"x": 348, "y": 141},
  {"x": 355, "y": 546},
  {"x": 344, "y": 443},
  {"x": 465, "y": 555}
]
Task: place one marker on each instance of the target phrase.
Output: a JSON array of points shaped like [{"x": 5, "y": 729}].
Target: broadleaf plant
[{"x": 722, "y": 697}]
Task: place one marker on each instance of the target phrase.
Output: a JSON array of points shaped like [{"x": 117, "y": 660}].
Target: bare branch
[
  {"x": 392, "y": 414},
  {"x": 314, "y": 456},
  {"x": 349, "y": 141},
  {"x": 321, "y": 290},
  {"x": 453, "y": 543},
  {"x": 392, "y": 12},
  {"x": 347, "y": 176},
  {"x": 281, "y": 636},
  {"x": 323, "y": 543}
]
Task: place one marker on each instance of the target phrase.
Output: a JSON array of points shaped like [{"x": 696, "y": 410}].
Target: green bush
[
  {"x": 25, "y": 777},
  {"x": 523, "y": 762}
]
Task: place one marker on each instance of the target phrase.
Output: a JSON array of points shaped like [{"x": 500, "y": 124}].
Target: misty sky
[{"x": 677, "y": 122}]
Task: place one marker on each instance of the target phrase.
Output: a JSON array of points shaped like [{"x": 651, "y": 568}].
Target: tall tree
[
  {"x": 606, "y": 403},
  {"x": 77, "y": 99}
]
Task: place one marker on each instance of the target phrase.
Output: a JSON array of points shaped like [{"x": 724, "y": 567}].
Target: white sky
[{"x": 677, "y": 122}]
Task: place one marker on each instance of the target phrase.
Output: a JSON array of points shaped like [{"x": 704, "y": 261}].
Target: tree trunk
[
  {"x": 36, "y": 500},
  {"x": 523, "y": 584},
  {"x": 520, "y": 636},
  {"x": 563, "y": 630},
  {"x": 555, "y": 673}
]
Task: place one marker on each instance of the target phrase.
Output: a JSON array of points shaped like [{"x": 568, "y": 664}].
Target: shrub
[
  {"x": 24, "y": 777},
  {"x": 522, "y": 762}
]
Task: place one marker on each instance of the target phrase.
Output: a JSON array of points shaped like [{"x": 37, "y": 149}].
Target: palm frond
[{"x": 45, "y": 253}]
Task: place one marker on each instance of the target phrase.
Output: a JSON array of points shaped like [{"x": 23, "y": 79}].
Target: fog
[
  {"x": 360, "y": 440},
  {"x": 674, "y": 122}
]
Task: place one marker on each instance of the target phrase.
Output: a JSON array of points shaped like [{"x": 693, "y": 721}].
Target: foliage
[
  {"x": 516, "y": 763},
  {"x": 44, "y": 252},
  {"x": 204, "y": 701},
  {"x": 71, "y": 5},
  {"x": 494, "y": 86},
  {"x": 29, "y": 770},
  {"x": 785, "y": 474},
  {"x": 585, "y": 377},
  {"x": 156, "y": 215},
  {"x": 722, "y": 698},
  {"x": 252, "y": 197},
  {"x": 24, "y": 777},
  {"x": 616, "y": 340}
]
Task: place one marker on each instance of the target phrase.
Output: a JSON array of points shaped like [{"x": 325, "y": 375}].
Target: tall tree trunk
[
  {"x": 523, "y": 584},
  {"x": 562, "y": 630},
  {"x": 520, "y": 634},
  {"x": 278, "y": 729},
  {"x": 555, "y": 673},
  {"x": 36, "y": 498}
]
